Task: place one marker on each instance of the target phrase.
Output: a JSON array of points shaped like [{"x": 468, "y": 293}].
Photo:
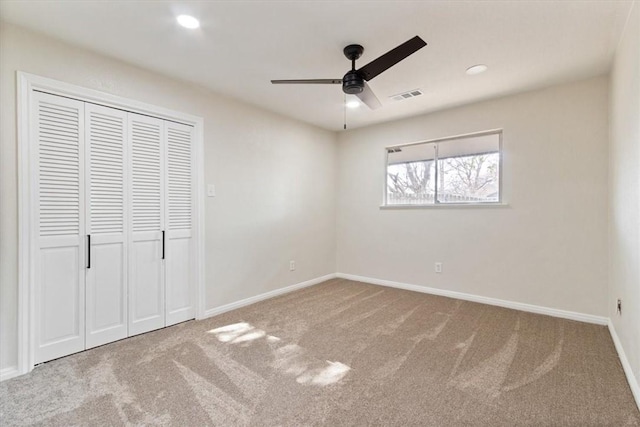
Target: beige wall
[
  {"x": 274, "y": 176},
  {"x": 547, "y": 248},
  {"x": 624, "y": 277}
]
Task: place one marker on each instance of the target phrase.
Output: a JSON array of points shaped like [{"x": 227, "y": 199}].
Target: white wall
[
  {"x": 274, "y": 176},
  {"x": 547, "y": 248},
  {"x": 624, "y": 277}
]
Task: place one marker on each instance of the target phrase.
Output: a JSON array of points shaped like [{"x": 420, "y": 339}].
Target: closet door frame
[{"x": 27, "y": 85}]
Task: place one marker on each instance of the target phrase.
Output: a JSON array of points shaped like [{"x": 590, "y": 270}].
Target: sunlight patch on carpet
[
  {"x": 291, "y": 359},
  {"x": 331, "y": 374}
]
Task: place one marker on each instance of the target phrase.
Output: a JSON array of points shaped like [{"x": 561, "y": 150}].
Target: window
[{"x": 461, "y": 169}]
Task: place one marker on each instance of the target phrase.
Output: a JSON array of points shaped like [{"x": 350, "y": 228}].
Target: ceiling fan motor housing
[{"x": 352, "y": 83}]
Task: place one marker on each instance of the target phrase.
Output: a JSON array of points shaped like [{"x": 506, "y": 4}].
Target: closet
[{"x": 113, "y": 207}]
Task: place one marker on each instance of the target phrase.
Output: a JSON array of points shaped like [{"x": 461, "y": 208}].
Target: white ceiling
[{"x": 242, "y": 45}]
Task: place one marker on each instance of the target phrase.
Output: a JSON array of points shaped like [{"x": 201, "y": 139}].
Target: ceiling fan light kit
[
  {"x": 354, "y": 81},
  {"x": 353, "y": 104}
]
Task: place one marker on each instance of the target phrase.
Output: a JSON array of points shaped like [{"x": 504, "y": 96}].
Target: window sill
[{"x": 447, "y": 206}]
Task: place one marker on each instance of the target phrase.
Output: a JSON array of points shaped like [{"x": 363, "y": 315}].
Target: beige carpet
[{"x": 339, "y": 353}]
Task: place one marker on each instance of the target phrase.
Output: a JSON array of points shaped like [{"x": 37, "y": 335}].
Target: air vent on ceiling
[
  {"x": 406, "y": 95},
  {"x": 393, "y": 150}
]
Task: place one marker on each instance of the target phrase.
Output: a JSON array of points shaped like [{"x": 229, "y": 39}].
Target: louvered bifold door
[
  {"x": 179, "y": 217},
  {"x": 60, "y": 261},
  {"x": 146, "y": 250},
  {"x": 105, "y": 170}
]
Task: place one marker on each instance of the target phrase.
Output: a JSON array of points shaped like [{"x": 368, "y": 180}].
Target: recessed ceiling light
[
  {"x": 353, "y": 104},
  {"x": 477, "y": 69},
  {"x": 188, "y": 21}
]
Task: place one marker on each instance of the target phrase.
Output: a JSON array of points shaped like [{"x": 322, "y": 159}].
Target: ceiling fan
[{"x": 355, "y": 81}]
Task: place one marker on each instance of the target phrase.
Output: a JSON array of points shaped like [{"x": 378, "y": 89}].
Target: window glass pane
[
  {"x": 470, "y": 178},
  {"x": 411, "y": 175}
]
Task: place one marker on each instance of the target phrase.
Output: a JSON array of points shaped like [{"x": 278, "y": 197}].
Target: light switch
[{"x": 211, "y": 190}]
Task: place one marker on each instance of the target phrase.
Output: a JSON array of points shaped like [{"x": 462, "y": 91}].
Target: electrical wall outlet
[
  {"x": 619, "y": 307},
  {"x": 438, "y": 267},
  {"x": 211, "y": 190},
  {"x": 292, "y": 265}
]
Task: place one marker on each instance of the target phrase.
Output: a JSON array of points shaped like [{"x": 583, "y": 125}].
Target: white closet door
[
  {"x": 60, "y": 249},
  {"x": 105, "y": 168},
  {"x": 146, "y": 272},
  {"x": 179, "y": 243}
]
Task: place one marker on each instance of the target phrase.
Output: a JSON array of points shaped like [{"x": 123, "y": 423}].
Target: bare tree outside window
[
  {"x": 411, "y": 178},
  {"x": 473, "y": 176}
]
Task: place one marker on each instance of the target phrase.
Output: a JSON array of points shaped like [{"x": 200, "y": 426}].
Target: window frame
[{"x": 436, "y": 203}]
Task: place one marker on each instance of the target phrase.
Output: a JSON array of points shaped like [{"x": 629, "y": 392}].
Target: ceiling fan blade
[
  {"x": 391, "y": 58},
  {"x": 308, "y": 81},
  {"x": 369, "y": 98}
]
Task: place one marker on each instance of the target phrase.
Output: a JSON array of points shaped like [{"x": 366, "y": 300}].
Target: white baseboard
[
  {"x": 580, "y": 317},
  {"x": 631, "y": 378},
  {"x": 252, "y": 300},
  {"x": 8, "y": 373}
]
